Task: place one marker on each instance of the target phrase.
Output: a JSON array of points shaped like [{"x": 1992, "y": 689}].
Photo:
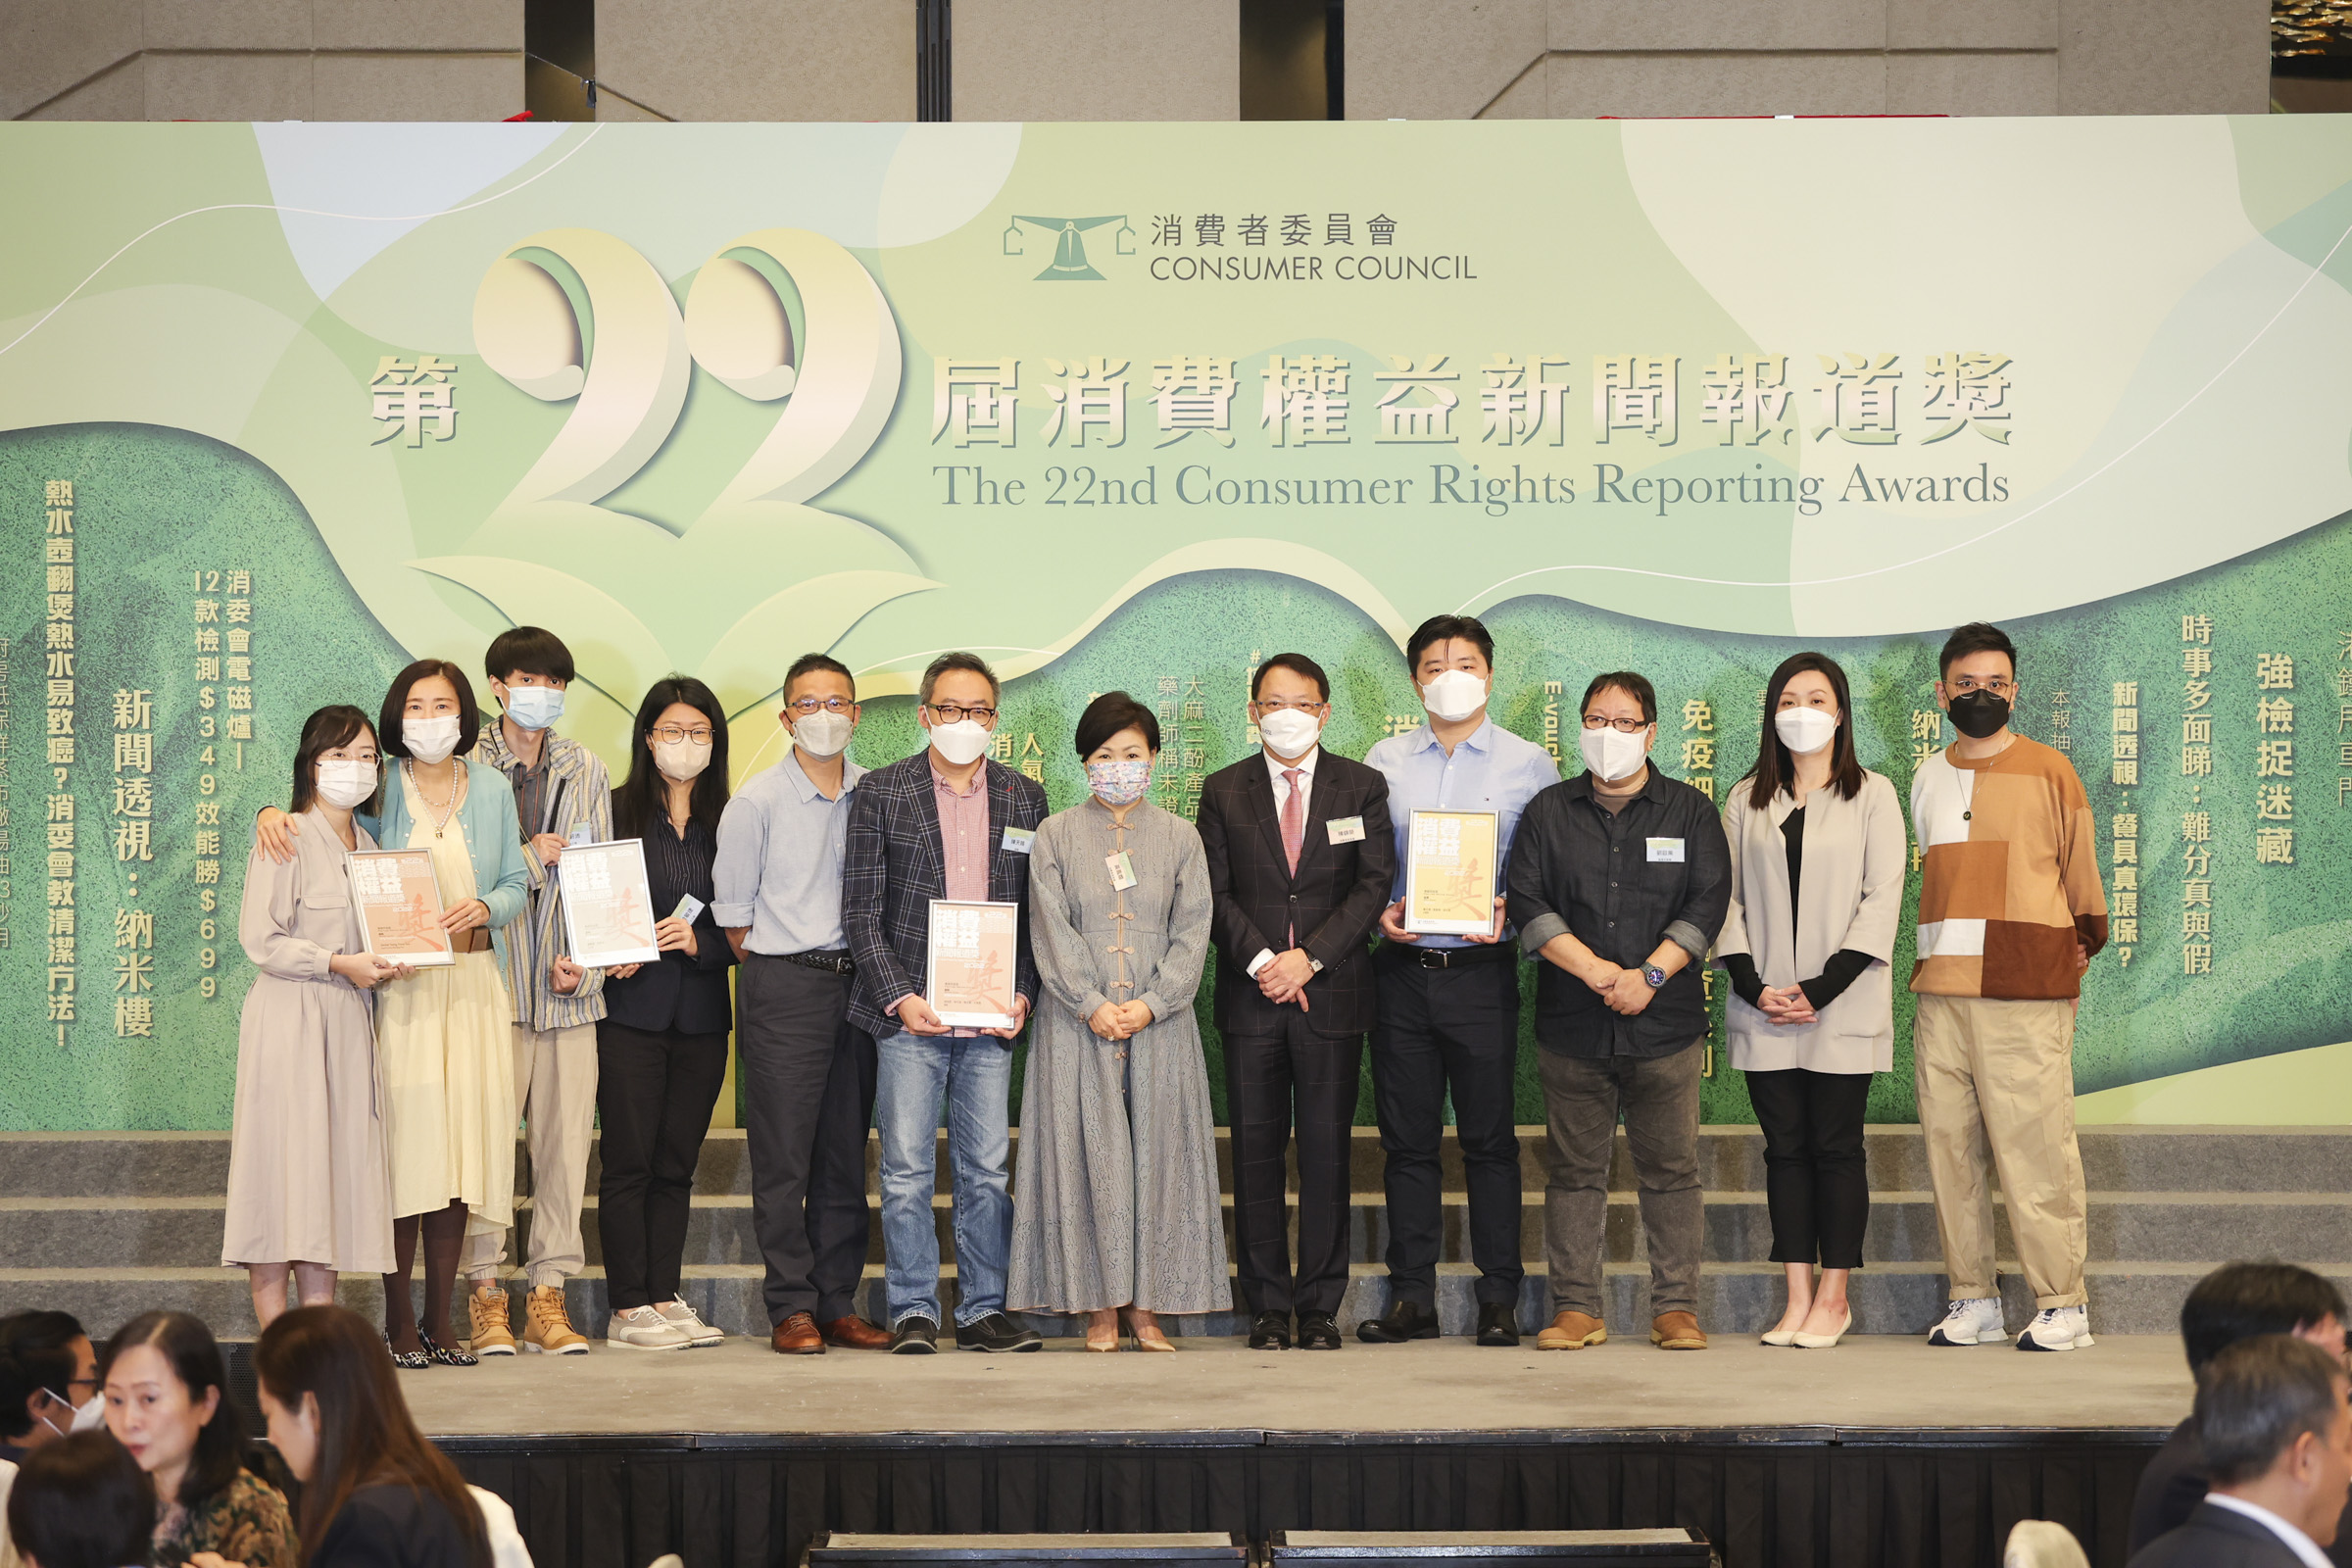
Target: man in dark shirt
[
  {"x": 2235, "y": 1301},
  {"x": 1620, "y": 879}
]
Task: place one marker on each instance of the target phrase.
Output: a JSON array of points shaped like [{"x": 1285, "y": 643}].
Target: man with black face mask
[{"x": 2010, "y": 912}]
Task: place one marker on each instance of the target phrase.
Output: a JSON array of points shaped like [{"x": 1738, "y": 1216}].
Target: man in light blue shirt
[
  {"x": 808, "y": 1072},
  {"x": 1449, "y": 1013}
]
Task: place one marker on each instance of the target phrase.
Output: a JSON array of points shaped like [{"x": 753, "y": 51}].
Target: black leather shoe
[
  {"x": 1270, "y": 1331},
  {"x": 916, "y": 1336},
  {"x": 1317, "y": 1332},
  {"x": 997, "y": 1332},
  {"x": 1402, "y": 1321},
  {"x": 1498, "y": 1323}
]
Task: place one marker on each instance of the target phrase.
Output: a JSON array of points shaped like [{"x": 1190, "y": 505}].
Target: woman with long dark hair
[
  {"x": 309, "y": 1190},
  {"x": 167, "y": 1401},
  {"x": 662, "y": 1047},
  {"x": 374, "y": 1492},
  {"x": 1817, "y": 894}
]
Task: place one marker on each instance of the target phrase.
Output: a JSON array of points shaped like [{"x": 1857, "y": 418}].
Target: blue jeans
[{"x": 974, "y": 1076}]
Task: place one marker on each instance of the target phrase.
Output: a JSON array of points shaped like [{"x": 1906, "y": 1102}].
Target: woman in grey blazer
[{"x": 1817, "y": 891}]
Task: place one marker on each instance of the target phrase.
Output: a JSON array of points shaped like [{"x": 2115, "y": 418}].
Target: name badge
[
  {"x": 1666, "y": 850},
  {"x": 689, "y": 910},
  {"x": 1345, "y": 829},
  {"x": 1020, "y": 840},
  {"x": 1122, "y": 871},
  {"x": 582, "y": 834}
]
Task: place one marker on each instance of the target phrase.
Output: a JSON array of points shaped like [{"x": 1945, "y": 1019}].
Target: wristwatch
[
  {"x": 1315, "y": 965},
  {"x": 1655, "y": 975}
]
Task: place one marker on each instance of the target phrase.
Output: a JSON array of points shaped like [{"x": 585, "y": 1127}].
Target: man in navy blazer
[
  {"x": 945, "y": 824},
  {"x": 1300, "y": 856},
  {"x": 2276, "y": 1436}
]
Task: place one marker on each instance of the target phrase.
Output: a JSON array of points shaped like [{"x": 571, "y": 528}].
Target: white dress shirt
[
  {"x": 1276, "y": 767},
  {"x": 2301, "y": 1544}
]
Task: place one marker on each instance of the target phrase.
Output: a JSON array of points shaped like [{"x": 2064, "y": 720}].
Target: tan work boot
[
  {"x": 490, "y": 1307},
  {"x": 1677, "y": 1331},
  {"x": 1572, "y": 1331},
  {"x": 550, "y": 1331}
]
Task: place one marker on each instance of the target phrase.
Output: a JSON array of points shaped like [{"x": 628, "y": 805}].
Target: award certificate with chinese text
[
  {"x": 608, "y": 909},
  {"x": 399, "y": 905},
  {"x": 968, "y": 971},
  {"x": 1449, "y": 873}
]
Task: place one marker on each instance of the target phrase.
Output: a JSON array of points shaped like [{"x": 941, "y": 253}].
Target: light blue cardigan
[{"x": 493, "y": 838}]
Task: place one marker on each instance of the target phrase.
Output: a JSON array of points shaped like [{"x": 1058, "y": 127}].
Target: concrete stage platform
[{"x": 1882, "y": 1451}]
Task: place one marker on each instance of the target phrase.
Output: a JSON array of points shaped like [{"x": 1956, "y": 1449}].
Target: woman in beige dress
[
  {"x": 442, "y": 1031},
  {"x": 309, "y": 1192}
]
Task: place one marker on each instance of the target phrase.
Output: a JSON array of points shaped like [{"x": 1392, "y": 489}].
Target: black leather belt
[
  {"x": 1450, "y": 957},
  {"x": 831, "y": 962}
]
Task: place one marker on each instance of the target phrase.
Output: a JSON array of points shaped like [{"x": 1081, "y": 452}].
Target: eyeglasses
[
  {"x": 804, "y": 705},
  {"x": 1623, "y": 726},
  {"x": 1969, "y": 683},
  {"x": 956, "y": 713},
  {"x": 1296, "y": 705},
  {"x": 671, "y": 735}
]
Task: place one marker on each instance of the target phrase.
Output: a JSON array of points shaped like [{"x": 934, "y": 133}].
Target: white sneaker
[
  {"x": 1971, "y": 1322},
  {"x": 642, "y": 1328},
  {"x": 2058, "y": 1328},
  {"x": 679, "y": 1315}
]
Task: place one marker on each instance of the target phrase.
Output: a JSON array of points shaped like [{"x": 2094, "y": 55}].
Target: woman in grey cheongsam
[{"x": 1116, "y": 1200}]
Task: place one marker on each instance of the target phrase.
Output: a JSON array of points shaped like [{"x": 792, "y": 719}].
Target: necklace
[{"x": 446, "y": 809}]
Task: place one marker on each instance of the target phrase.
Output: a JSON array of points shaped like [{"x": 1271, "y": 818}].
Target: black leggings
[
  {"x": 1816, "y": 1181},
  {"x": 654, "y": 1094}
]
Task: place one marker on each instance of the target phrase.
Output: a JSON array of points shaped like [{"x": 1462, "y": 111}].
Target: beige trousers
[
  {"x": 2003, "y": 1074},
  {"x": 555, "y": 1091}
]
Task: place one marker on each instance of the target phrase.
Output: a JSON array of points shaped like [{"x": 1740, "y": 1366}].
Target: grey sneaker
[{"x": 679, "y": 1315}]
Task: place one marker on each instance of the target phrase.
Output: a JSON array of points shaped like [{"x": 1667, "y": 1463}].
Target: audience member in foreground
[
  {"x": 48, "y": 1382},
  {"x": 2278, "y": 1440},
  {"x": 374, "y": 1492},
  {"x": 2235, "y": 1301},
  {"x": 81, "y": 1502},
  {"x": 165, "y": 1402}
]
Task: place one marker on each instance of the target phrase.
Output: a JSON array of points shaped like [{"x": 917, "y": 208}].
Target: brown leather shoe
[
  {"x": 1677, "y": 1331},
  {"x": 1572, "y": 1331},
  {"x": 854, "y": 1333},
  {"x": 797, "y": 1336}
]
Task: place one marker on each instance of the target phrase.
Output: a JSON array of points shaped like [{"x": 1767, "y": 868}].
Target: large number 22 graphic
[{"x": 628, "y": 388}]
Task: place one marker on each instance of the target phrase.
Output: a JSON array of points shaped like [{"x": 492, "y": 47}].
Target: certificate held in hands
[
  {"x": 1449, "y": 873},
  {"x": 968, "y": 971},
  {"x": 608, "y": 906},
  {"x": 399, "y": 905}
]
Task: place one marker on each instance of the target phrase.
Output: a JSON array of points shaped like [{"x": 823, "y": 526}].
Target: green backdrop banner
[{"x": 284, "y": 405}]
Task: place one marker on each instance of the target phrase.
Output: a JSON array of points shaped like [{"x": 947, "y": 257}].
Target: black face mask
[{"x": 1979, "y": 714}]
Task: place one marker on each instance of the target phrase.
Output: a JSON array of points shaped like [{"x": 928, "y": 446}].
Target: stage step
[{"x": 117, "y": 1223}]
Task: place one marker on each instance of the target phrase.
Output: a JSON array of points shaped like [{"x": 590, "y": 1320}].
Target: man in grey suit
[{"x": 2277, "y": 1434}]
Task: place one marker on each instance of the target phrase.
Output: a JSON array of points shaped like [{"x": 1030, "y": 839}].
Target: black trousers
[
  {"x": 1816, "y": 1182},
  {"x": 654, "y": 1094},
  {"x": 807, "y": 1101},
  {"x": 1440, "y": 1029},
  {"x": 1265, "y": 1073}
]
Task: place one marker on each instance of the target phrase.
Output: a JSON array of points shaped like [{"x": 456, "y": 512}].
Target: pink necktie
[{"x": 1294, "y": 817}]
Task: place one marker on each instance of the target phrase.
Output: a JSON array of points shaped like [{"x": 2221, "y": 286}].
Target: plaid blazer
[{"x": 892, "y": 870}]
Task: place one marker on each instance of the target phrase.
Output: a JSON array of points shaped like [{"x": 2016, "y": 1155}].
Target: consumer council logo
[{"x": 1069, "y": 263}]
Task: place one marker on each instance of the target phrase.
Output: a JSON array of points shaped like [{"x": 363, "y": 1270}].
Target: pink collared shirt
[{"x": 963, "y": 848}]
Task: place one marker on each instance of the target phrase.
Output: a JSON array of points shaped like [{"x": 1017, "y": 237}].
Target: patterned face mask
[{"x": 1120, "y": 783}]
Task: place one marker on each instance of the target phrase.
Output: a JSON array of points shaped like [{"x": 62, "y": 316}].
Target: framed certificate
[
  {"x": 399, "y": 905},
  {"x": 608, "y": 909},
  {"x": 969, "y": 970},
  {"x": 1449, "y": 873}
]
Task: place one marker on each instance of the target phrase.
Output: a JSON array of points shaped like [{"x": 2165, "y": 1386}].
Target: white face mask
[
  {"x": 1805, "y": 730},
  {"x": 682, "y": 760},
  {"x": 430, "y": 740},
  {"x": 344, "y": 783},
  {"x": 822, "y": 733},
  {"x": 89, "y": 1415},
  {"x": 1610, "y": 755},
  {"x": 1454, "y": 695},
  {"x": 1289, "y": 733},
  {"x": 961, "y": 743}
]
